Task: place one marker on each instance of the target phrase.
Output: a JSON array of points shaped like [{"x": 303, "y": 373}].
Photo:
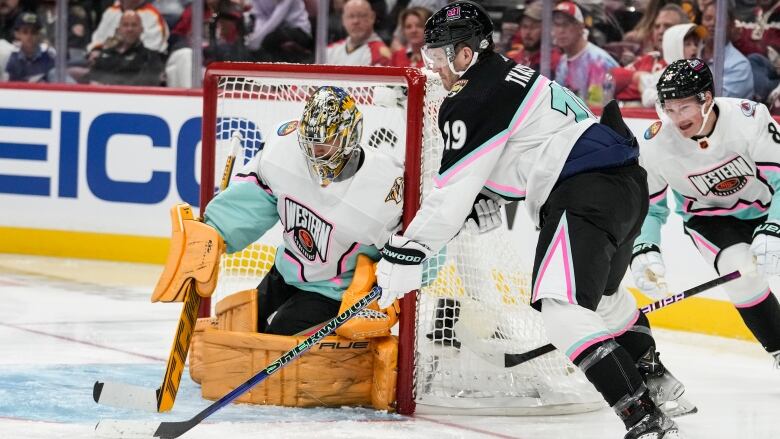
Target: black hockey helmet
[
  {"x": 461, "y": 21},
  {"x": 684, "y": 78}
]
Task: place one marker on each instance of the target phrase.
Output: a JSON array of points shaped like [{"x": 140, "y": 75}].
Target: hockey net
[{"x": 453, "y": 334}]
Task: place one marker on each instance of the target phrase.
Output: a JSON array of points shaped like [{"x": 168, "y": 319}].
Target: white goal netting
[{"x": 477, "y": 308}]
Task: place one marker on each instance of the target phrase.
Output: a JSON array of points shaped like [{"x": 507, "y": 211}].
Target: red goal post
[{"x": 415, "y": 82}]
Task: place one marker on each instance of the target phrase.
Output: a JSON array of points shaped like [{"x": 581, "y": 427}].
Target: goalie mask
[
  {"x": 459, "y": 22},
  {"x": 329, "y": 135}
]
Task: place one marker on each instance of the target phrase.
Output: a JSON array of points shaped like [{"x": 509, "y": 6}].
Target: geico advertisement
[{"x": 98, "y": 162}]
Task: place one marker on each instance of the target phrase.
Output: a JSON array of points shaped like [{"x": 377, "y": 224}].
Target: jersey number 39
[{"x": 454, "y": 136}]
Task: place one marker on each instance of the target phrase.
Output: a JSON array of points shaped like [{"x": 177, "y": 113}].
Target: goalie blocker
[{"x": 355, "y": 368}]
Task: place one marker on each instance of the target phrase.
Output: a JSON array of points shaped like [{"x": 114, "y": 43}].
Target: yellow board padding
[
  {"x": 698, "y": 314},
  {"x": 84, "y": 245}
]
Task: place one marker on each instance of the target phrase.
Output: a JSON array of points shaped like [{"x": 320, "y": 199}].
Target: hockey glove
[
  {"x": 648, "y": 271},
  {"x": 485, "y": 216},
  {"x": 400, "y": 269},
  {"x": 766, "y": 248}
]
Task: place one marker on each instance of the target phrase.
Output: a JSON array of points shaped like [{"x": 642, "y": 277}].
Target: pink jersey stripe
[
  {"x": 628, "y": 326},
  {"x": 658, "y": 197},
  {"x": 703, "y": 243},
  {"x": 755, "y": 301},
  {"x": 741, "y": 205},
  {"x": 505, "y": 188},
  {"x": 587, "y": 344},
  {"x": 501, "y": 140}
]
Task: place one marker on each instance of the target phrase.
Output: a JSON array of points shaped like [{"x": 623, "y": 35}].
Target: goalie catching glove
[
  {"x": 400, "y": 269},
  {"x": 485, "y": 216},
  {"x": 766, "y": 248},
  {"x": 648, "y": 271}
]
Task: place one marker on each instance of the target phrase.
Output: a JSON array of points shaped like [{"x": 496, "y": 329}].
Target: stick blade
[
  {"x": 171, "y": 430},
  {"x": 125, "y": 396},
  {"x": 118, "y": 429}
]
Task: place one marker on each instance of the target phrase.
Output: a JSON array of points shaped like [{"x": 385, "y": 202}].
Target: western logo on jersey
[
  {"x": 310, "y": 233},
  {"x": 724, "y": 180},
  {"x": 396, "y": 192},
  {"x": 287, "y": 128}
]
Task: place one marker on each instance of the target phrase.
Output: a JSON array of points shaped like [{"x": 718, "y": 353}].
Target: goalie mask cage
[{"x": 454, "y": 332}]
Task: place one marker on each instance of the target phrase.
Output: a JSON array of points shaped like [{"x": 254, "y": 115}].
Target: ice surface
[{"x": 61, "y": 333}]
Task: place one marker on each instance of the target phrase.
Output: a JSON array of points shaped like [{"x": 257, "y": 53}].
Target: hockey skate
[
  {"x": 644, "y": 420},
  {"x": 654, "y": 426},
  {"x": 776, "y": 359},
  {"x": 665, "y": 390}
]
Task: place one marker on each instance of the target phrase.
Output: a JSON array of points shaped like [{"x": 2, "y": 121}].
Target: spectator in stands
[
  {"x": 282, "y": 31},
  {"x": 124, "y": 60},
  {"x": 528, "y": 52},
  {"x": 398, "y": 40},
  {"x": 627, "y": 79},
  {"x": 79, "y": 27},
  {"x": 762, "y": 32},
  {"x": 181, "y": 31},
  {"x": 682, "y": 41},
  {"x": 155, "y": 34},
  {"x": 226, "y": 35},
  {"x": 642, "y": 32},
  {"x": 413, "y": 24},
  {"x": 32, "y": 61},
  {"x": 362, "y": 47},
  {"x": 9, "y": 10},
  {"x": 737, "y": 73},
  {"x": 617, "y": 20},
  {"x": 584, "y": 66},
  {"x": 509, "y": 38}
]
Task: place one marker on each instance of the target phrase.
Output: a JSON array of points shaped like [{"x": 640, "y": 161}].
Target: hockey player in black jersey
[{"x": 511, "y": 134}]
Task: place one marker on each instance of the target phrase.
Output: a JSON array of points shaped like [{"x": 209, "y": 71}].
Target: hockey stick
[
  {"x": 162, "y": 399},
  {"x": 512, "y": 360},
  {"x": 169, "y": 430}
]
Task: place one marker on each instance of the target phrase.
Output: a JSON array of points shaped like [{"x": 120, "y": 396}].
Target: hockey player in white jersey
[
  {"x": 720, "y": 160},
  {"x": 334, "y": 199},
  {"x": 511, "y": 134}
]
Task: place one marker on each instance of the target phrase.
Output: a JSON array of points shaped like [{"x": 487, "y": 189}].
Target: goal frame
[{"x": 412, "y": 78}]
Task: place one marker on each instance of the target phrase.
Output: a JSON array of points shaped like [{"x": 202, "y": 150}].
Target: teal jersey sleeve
[
  {"x": 657, "y": 213},
  {"x": 242, "y": 214}
]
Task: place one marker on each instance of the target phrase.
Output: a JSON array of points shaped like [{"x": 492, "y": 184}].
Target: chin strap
[
  {"x": 473, "y": 61},
  {"x": 705, "y": 117}
]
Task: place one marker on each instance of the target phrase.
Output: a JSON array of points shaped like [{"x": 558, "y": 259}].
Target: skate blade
[{"x": 678, "y": 407}]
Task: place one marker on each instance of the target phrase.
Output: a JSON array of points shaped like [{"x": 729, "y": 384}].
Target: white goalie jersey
[{"x": 324, "y": 228}]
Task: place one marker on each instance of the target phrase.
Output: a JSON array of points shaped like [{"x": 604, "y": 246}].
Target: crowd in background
[{"x": 601, "y": 48}]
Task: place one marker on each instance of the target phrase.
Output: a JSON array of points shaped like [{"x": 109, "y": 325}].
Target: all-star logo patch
[
  {"x": 310, "y": 232},
  {"x": 748, "y": 108},
  {"x": 724, "y": 180},
  {"x": 653, "y": 129},
  {"x": 457, "y": 86},
  {"x": 396, "y": 192},
  {"x": 287, "y": 128},
  {"x": 454, "y": 13}
]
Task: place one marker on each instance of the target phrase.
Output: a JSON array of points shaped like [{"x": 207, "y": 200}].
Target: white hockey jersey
[
  {"x": 735, "y": 171},
  {"x": 324, "y": 228},
  {"x": 506, "y": 130}
]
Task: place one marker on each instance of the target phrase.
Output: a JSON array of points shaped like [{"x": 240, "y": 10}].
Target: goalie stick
[
  {"x": 512, "y": 360},
  {"x": 162, "y": 399},
  {"x": 170, "y": 430}
]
